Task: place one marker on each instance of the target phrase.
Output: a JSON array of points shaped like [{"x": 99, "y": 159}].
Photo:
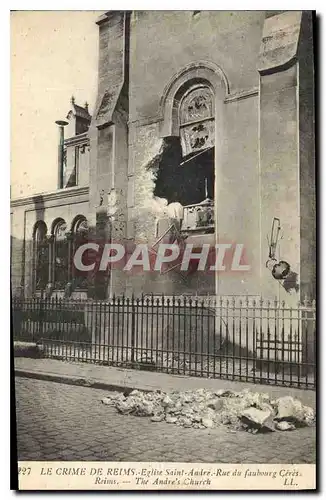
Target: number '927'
[{"x": 24, "y": 470}]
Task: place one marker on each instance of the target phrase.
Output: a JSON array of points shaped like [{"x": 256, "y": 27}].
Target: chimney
[{"x": 61, "y": 125}]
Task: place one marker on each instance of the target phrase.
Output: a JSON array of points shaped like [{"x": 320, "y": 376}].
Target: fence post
[
  {"x": 41, "y": 319},
  {"x": 133, "y": 330},
  {"x": 308, "y": 315},
  {"x": 17, "y": 317}
]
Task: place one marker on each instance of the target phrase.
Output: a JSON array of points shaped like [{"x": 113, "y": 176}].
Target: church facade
[{"x": 203, "y": 130}]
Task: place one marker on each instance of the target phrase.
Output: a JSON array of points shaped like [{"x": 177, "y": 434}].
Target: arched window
[
  {"x": 79, "y": 237},
  {"x": 60, "y": 255},
  {"x": 185, "y": 172},
  {"x": 197, "y": 137},
  {"x": 41, "y": 256},
  {"x": 196, "y": 118}
]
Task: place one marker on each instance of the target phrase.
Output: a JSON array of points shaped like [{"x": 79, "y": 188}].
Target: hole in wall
[{"x": 187, "y": 180}]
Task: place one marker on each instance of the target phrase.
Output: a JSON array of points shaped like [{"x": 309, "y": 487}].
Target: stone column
[
  {"x": 70, "y": 238},
  {"x": 50, "y": 285},
  {"x": 279, "y": 146},
  {"x": 109, "y": 132}
]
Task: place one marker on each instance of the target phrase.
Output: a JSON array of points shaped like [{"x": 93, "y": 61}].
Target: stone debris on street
[
  {"x": 70, "y": 423},
  {"x": 202, "y": 409}
]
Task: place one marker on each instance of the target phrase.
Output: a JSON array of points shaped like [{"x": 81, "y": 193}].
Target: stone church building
[{"x": 212, "y": 112}]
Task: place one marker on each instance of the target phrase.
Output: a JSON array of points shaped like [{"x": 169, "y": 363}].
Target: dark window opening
[
  {"x": 198, "y": 178},
  {"x": 80, "y": 237},
  {"x": 41, "y": 256},
  {"x": 186, "y": 180},
  {"x": 60, "y": 256},
  {"x": 167, "y": 171}
]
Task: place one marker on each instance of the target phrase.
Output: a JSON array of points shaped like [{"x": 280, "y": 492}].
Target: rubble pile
[{"x": 200, "y": 409}]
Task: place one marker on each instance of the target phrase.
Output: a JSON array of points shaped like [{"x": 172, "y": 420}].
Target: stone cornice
[
  {"x": 60, "y": 194},
  {"x": 77, "y": 139},
  {"x": 242, "y": 94}
]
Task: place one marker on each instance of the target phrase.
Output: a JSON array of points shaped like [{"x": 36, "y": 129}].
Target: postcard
[{"x": 163, "y": 249}]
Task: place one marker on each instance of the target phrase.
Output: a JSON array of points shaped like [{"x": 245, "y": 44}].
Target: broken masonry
[{"x": 202, "y": 409}]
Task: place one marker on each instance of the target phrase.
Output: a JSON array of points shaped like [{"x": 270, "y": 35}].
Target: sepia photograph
[{"x": 163, "y": 249}]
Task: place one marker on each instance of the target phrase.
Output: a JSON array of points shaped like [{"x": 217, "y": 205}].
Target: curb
[
  {"x": 128, "y": 385},
  {"x": 79, "y": 381}
]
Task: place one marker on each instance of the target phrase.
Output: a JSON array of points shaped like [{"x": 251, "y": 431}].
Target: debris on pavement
[
  {"x": 202, "y": 409},
  {"x": 255, "y": 415},
  {"x": 292, "y": 410},
  {"x": 284, "y": 426}
]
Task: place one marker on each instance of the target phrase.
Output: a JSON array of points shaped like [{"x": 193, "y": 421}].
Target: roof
[{"x": 79, "y": 111}]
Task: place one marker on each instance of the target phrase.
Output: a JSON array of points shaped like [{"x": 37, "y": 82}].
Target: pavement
[
  {"x": 60, "y": 416},
  {"x": 56, "y": 421},
  {"x": 121, "y": 379}
]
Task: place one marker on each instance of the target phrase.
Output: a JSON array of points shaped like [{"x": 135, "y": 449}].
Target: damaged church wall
[
  {"x": 143, "y": 211},
  {"x": 255, "y": 119},
  {"x": 264, "y": 110},
  {"x": 145, "y": 147},
  {"x": 179, "y": 38},
  {"x": 236, "y": 147}
]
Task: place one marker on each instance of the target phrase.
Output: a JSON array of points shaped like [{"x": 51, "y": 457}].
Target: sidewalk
[{"x": 120, "y": 379}]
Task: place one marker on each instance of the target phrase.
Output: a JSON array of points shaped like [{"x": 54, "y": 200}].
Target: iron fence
[{"x": 218, "y": 337}]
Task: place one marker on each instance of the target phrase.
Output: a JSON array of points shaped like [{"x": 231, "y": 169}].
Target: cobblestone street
[{"x": 62, "y": 422}]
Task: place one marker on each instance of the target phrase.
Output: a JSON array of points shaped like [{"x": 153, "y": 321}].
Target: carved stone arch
[
  {"x": 205, "y": 73},
  {"x": 39, "y": 226},
  {"x": 58, "y": 221},
  {"x": 77, "y": 221}
]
